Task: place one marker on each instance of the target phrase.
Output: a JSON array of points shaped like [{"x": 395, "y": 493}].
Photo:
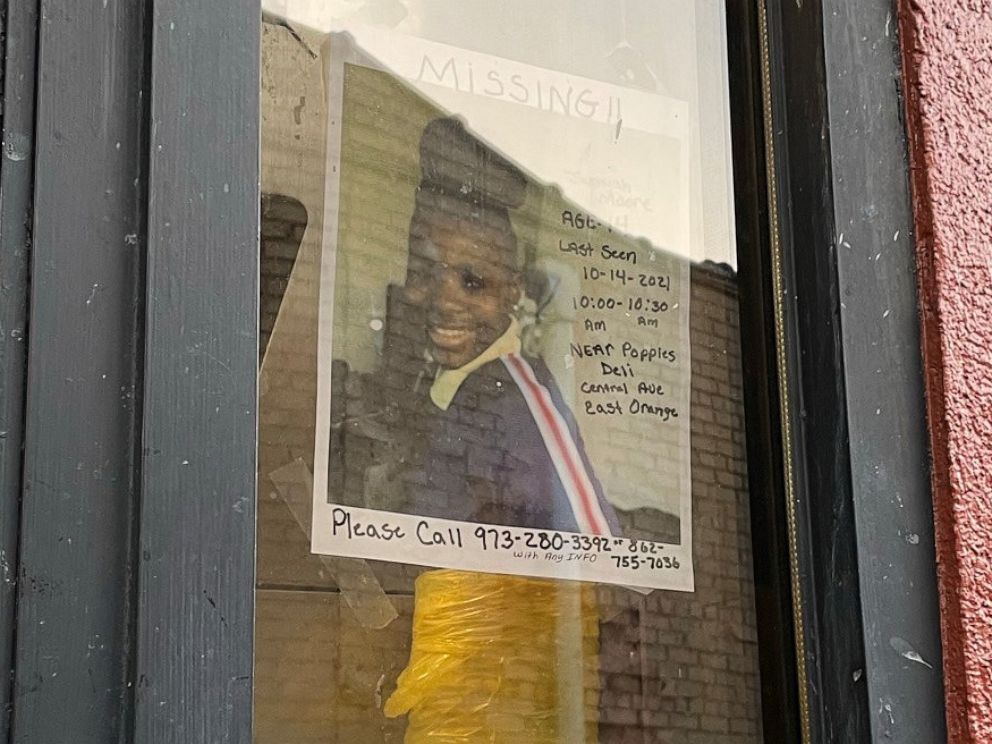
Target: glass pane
[{"x": 502, "y": 461}]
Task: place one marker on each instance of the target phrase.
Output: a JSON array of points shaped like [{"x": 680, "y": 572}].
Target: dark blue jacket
[{"x": 482, "y": 460}]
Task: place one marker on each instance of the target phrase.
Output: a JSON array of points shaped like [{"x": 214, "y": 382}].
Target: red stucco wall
[{"x": 947, "y": 61}]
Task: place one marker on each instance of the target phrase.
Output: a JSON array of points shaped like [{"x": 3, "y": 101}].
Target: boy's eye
[{"x": 472, "y": 281}]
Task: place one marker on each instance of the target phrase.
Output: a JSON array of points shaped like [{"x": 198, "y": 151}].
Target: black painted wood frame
[{"x": 780, "y": 696}]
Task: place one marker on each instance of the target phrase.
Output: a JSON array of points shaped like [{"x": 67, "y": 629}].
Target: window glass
[{"x": 502, "y": 461}]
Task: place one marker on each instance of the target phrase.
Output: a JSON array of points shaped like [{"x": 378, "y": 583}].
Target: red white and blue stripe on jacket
[{"x": 508, "y": 451}]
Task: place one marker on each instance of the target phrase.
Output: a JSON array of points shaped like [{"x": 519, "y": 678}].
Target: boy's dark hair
[{"x": 466, "y": 184}]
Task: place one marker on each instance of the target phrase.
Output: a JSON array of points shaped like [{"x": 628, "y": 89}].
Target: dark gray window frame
[
  {"x": 196, "y": 578},
  {"x": 82, "y": 403},
  {"x": 19, "y": 27},
  {"x": 133, "y": 477},
  {"x": 128, "y": 421},
  {"x": 850, "y": 416}
]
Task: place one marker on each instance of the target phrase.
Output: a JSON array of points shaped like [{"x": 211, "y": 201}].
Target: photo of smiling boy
[{"x": 466, "y": 425}]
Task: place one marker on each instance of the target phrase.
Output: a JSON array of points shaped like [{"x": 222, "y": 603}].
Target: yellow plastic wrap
[{"x": 500, "y": 659}]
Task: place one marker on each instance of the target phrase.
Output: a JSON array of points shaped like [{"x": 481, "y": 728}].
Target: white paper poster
[{"x": 503, "y": 352}]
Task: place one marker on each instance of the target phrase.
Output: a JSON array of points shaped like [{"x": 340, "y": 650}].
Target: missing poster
[{"x": 503, "y": 344}]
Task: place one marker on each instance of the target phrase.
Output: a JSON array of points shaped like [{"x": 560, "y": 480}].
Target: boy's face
[{"x": 466, "y": 283}]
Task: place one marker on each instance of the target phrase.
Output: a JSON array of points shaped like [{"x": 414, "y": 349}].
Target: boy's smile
[{"x": 463, "y": 278}]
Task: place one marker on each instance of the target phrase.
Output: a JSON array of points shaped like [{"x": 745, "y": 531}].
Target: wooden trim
[
  {"x": 781, "y": 691},
  {"x": 79, "y": 491},
  {"x": 20, "y": 21},
  {"x": 197, "y": 523},
  {"x": 851, "y": 404}
]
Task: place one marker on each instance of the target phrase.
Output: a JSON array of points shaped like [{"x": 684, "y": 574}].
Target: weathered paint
[
  {"x": 75, "y": 557},
  {"x": 948, "y": 77},
  {"x": 883, "y": 373},
  {"x": 197, "y": 520},
  {"x": 20, "y": 26}
]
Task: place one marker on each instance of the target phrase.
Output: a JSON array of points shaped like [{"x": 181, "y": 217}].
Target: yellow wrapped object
[{"x": 500, "y": 659}]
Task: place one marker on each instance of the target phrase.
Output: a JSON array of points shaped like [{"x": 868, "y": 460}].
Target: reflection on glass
[{"x": 501, "y": 450}]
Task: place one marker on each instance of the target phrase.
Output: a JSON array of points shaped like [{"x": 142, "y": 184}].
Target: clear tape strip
[{"x": 354, "y": 577}]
